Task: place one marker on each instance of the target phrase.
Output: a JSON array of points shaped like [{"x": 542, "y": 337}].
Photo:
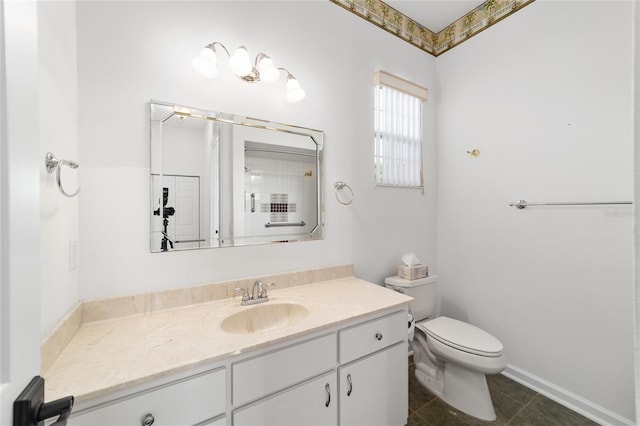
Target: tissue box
[{"x": 413, "y": 272}]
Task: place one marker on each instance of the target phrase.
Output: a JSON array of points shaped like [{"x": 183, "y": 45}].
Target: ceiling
[{"x": 434, "y": 14}]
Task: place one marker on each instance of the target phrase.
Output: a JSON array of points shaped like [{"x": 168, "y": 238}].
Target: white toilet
[{"x": 451, "y": 356}]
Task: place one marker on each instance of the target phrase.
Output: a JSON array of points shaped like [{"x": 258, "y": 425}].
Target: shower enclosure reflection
[{"x": 221, "y": 180}]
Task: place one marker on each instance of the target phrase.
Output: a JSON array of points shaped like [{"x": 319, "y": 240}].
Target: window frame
[{"x": 400, "y": 87}]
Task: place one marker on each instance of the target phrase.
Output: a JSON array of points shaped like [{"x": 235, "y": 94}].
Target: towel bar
[
  {"x": 522, "y": 204},
  {"x": 270, "y": 225}
]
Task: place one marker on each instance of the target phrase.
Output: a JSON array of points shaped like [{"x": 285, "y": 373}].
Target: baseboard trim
[{"x": 570, "y": 400}]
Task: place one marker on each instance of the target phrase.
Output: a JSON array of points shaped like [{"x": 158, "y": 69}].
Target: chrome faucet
[
  {"x": 262, "y": 292},
  {"x": 255, "y": 297}
]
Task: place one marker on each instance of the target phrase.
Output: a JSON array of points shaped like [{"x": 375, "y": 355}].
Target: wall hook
[{"x": 53, "y": 164}]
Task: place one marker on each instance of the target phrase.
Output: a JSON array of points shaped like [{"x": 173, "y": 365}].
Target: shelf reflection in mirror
[{"x": 223, "y": 180}]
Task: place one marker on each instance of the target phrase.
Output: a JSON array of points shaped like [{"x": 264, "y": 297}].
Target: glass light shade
[
  {"x": 240, "y": 62},
  {"x": 294, "y": 91},
  {"x": 206, "y": 63},
  {"x": 268, "y": 72}
]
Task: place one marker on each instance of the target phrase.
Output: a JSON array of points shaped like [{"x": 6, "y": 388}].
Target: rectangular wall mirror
[{"x": 223, "y": 180}]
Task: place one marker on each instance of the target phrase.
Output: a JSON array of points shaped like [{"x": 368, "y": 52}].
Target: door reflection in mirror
[{"x": 220, "y": 180}]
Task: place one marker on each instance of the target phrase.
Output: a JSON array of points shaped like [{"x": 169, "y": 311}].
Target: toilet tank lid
[{"x": 401, "y": 282}]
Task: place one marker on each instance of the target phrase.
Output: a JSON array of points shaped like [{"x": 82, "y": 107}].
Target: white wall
[
  {"x": 388, "y": 222},
  {"x": 546, "y": 96},
  {"x": 131, "y": 52},
  {"x": 58, "y": 125}
]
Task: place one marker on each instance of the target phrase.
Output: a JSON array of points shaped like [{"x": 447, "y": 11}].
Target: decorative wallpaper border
[{"x": 479, "y": 19}]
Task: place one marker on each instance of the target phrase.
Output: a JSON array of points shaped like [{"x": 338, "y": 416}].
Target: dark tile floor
[{"x": 515, "y": 405}]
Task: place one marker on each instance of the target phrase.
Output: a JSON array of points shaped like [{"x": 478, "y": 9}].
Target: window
[{"x": 398, "y": 131}]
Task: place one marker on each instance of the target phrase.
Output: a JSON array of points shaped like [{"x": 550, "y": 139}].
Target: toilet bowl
[
  {"x": 458, "y": 355},
  {"x": 451, "y": 356}
]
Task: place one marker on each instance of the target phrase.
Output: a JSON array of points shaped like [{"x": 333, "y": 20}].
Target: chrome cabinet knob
[{"x": 147, "y": 420}]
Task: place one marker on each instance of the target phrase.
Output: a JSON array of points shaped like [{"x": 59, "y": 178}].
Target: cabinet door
[
  {"x": 374, "y": 389},
  {"x": 311, "y": 403}
]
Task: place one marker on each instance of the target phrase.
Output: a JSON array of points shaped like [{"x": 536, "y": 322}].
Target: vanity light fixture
[{"x": 263, "y": 68}]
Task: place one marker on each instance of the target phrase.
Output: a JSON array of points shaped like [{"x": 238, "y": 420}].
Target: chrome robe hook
[{"x": 53, "y": 164}]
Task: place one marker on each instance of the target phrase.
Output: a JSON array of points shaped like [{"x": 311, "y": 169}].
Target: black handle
[
  {"x": 328, "y": 389},
  {"x": 60, "y": 407},
  {"x": 29, "y": 408}
]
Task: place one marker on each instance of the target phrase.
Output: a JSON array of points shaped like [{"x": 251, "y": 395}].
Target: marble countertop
[{"x": 111, "y": 355}]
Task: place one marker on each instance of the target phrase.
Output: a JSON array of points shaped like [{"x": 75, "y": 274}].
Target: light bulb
[
  {"x": 268, "y": 72},
  {"x": 240, "y": 62},
  {"x": 294, "y": 91},
  {"x": 206, "y": 63}
]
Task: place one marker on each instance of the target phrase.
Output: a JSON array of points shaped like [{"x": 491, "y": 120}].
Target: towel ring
[
  {"x": 52, "y": 163},
  {"x": 341, "y": 185}
]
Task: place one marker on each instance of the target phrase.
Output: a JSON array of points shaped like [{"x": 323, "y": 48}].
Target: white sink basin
[{"x": 265, "y": 317}]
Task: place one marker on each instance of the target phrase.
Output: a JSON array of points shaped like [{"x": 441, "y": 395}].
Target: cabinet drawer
[
  {"x": 363, "y": 339},
  {"x": 182, "y": 403},
  {"x": 277, "y": 370}
]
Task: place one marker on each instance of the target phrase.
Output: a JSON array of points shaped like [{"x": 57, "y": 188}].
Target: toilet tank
[{"x": 423, "y": 291}]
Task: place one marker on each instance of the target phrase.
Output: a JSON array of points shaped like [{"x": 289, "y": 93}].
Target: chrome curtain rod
[{"x": 521, "y": 204}]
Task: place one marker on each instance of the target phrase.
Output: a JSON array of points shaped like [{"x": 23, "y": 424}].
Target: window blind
[{"x": 398, "y": 138}]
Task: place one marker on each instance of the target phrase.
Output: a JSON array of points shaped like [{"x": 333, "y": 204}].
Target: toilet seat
[{"x": 462, "y": 336}]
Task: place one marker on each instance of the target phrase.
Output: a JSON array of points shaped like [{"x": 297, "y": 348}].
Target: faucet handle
[
  {"x": 245, "y": 294},
  {"x": 263, "y": 289}
]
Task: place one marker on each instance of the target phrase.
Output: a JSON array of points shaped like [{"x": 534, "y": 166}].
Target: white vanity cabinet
[
  {"x": 355, "y": 376},
  {"x": 373, "y": 373},
  {"x": 350, "y": 374},
  {"x": 185, "y": 402}
]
